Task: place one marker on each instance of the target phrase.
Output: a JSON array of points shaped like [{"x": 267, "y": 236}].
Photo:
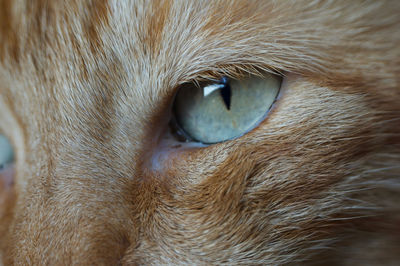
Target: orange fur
[{"x": 85, "y": 94}]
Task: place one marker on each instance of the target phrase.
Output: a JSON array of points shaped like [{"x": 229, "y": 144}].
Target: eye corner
[{"x": 177, "y": 132}]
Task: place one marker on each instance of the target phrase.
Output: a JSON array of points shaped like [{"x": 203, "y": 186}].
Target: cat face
[{"x": 87, "y": 95}]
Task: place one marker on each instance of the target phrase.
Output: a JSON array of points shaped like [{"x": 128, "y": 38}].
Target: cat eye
[
  {"x": 6, "y": 152},
  {"x": 218, "y": 111}
]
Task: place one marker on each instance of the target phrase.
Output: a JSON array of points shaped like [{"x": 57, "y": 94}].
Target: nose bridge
[
  {"x": 91, "y": 170},
  {"x": 92, "y": 117},
  {"x": 106, "y": 126},
  {"x": 82, "y": 169}
]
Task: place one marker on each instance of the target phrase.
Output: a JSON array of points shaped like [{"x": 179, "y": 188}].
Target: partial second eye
[
  {"x": 6, "y": 153},
  {"x": 226, "y": 109}
]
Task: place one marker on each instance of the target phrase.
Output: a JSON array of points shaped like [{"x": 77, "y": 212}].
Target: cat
[{"x": 100, "y": 177}]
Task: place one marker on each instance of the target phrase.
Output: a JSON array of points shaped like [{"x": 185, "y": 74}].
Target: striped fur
[{"x": 85, "y": 95}]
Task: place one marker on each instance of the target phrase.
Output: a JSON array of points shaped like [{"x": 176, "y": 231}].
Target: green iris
[
  {"x": 224, "y": 110},
  {"x": 6, "y": 152}
]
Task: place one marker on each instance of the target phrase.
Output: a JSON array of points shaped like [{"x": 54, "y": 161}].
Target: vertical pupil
[{"x": 226, "y": 93}]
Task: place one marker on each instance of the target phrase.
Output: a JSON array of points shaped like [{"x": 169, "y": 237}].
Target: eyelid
[{"x": 235, "y": 72}]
